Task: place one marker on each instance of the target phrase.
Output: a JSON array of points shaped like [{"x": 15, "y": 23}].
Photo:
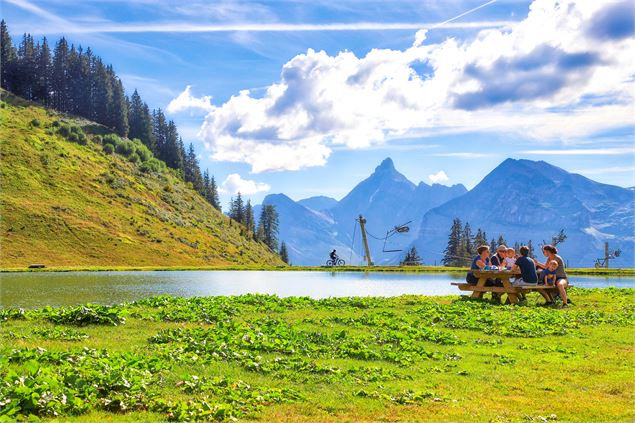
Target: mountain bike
[{"x": 337, "y": 262}]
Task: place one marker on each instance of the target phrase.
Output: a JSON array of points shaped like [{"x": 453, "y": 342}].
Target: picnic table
[{"x": 514, "y": 292}]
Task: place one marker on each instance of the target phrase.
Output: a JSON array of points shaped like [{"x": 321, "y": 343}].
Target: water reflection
[{"x": 47, "y": 288}]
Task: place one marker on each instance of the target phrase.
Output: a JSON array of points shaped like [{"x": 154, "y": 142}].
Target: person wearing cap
[
  {"x": 500, "y": 256},
  {"x": 498, "y": 260}
]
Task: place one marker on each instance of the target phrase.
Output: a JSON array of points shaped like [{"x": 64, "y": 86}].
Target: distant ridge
[
  {"x": 386, "y": 198},
  {"x": 541, "y": 200},
  {"x": 319, "y": 203}
]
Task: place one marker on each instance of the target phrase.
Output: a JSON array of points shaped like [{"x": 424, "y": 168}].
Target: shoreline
[{"x": 628, "y": 272}]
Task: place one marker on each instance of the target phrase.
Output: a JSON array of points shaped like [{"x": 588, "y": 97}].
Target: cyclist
[{"x": 333, "y": 256}]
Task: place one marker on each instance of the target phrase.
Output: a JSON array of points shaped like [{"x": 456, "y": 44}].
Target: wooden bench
[{"x": 514, "y": 292}]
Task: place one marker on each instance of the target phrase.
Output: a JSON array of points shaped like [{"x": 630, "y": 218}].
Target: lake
[{"x": 38, "y": 289}]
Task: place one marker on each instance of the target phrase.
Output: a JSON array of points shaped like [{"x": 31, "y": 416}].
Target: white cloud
[
  {"x": 234, "y": 184},
  {"x": 612, "y": 151},
  {"x": 549, "y": 77},
  {"x": 464, "y": 155},
  {"x": 438, "y": 177},
  {"x": 603, "y": 170},
  {"x": 186, "y": 101},
  {"x": 184, "y": 27}
]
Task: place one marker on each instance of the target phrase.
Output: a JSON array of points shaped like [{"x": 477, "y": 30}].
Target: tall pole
[
  {"x": 606, "y": 254},
  {"x": 362, "y": 223}
]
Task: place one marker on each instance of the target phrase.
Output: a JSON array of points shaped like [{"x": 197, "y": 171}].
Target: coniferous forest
[{"x": 76, "y": 81}]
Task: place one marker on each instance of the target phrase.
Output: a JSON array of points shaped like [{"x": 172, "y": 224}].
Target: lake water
[{"x": 31, "y": 290}]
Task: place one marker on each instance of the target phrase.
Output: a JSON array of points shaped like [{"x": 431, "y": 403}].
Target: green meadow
[{"x": 265, "y": 358}]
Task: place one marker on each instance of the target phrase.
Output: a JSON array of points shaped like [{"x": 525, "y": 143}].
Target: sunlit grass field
[{"x": 256, "y": 357}]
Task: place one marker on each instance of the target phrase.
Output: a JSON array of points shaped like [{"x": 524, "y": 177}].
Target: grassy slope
[
  {"x": 510, "y": 363},
  {"x": 63, "y": 204}
]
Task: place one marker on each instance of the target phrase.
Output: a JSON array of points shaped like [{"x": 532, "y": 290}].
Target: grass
[
  {"x": 264, "y": 358},
  {"x": 65, "y": 202},
  {"x": 388, "y": 269}
]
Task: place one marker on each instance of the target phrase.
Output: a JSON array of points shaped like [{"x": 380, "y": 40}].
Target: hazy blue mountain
[
  {"x": 310, "y": 235},
  {"x": 520, "y": 199},
  {"x": 318, "y": 203},
  {"x": 524, "y": 199},
  {"x": 386, "y": 199},
  {"x": 314, "y": 226}
]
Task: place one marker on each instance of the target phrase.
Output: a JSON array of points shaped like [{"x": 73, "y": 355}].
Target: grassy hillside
[{"x": 67, "y": 204}]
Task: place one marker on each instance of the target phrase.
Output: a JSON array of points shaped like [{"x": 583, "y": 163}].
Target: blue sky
[{"x": 337, "y": 86}]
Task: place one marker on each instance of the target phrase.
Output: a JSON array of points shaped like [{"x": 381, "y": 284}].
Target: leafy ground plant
[{"x": 260, "y": 357}]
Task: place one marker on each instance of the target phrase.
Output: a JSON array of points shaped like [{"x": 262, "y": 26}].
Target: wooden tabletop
[{"x": 494, "y": 273}]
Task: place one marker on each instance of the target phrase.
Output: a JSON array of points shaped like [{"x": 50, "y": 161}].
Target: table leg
[
  {"x": 512, "y": 297},
  {"x": 481, "y": 283}
]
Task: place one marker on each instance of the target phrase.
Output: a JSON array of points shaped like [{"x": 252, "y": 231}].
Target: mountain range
[{"x": 520, "y": 199}]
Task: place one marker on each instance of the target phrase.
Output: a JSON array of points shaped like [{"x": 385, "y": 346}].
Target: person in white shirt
[{"x": 510, "y": 260}]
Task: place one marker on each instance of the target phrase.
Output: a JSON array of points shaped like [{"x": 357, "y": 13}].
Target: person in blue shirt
[
  {"x": 526, "y": 266},
  {"x": 550, "y": 274},
  {"x": 478, "y": 263}
]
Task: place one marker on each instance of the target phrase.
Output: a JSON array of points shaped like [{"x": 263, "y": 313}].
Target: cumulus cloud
[
  {"x": 187, "y": 102},
  {"x": 438, "y": 177},
  {"x": 234, "y": 184},
  {"x": 561, "y": 73},
  {"x": 615, "y": 22}
]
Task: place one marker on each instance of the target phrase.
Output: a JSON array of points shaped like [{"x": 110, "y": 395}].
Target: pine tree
[
  {"x": 451, "y": 255},
  {"x": 80, "y": 83},
  {"x": 492, "y": 246},
  {"x": 26, "y": 64},
  {"x": 501, "y": 241},
  {"x": 192, "y": 170},
  {"x": 160, "y": 130},
  {"x": 237, "y": 209},
  {"x": 206, "y": 186},
  {"x": 102, "y": 92},
  {"x": 284, "y": 254},
  {"x": 174, "y": 152},
  {"x": 412, "y": 258},
  {"x": 479, "y": 239},
  {"x": 8, "y": 58},
  {"x": 249, "y": 219},
  {"x": 213, "y": 194},
  {"x": 118, "y": 108},
  {"x": 42, "y": 87},
  {"x": 530, "y": 245},
  {"x": 59, "y": 77},
  {"x": 268, "y": 226},
  {"x": 140, "y": 121},
  {"x": 467, "y": 249}
]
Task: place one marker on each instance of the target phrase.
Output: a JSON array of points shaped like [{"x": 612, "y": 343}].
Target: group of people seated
[{"x": 532, "y": 272}]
